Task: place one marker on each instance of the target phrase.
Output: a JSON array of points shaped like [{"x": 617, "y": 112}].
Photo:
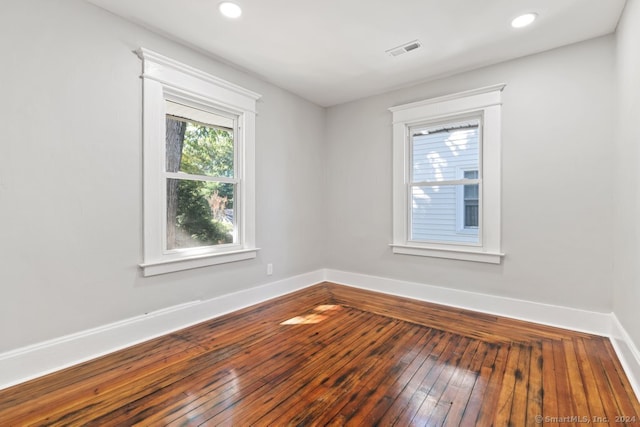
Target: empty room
[{"x": 271, "y": 213}]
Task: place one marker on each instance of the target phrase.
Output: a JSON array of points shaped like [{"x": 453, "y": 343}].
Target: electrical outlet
[{"x": 269, "y": 269}]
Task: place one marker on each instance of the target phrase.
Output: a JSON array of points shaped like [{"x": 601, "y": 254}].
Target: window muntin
[{"x": 437, "y": 154}]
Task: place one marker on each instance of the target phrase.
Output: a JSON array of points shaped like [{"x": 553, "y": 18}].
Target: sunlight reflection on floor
[{"x": 314, "y": 317}]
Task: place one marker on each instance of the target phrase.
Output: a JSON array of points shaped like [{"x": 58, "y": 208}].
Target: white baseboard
[
  {"x": 604, "y": 324},
  {"x": 627, "y": 352},
  {"x": 29, "y": 362},
  {"x": 39, "y": 359},
  {"x": 546, "y": 314}
]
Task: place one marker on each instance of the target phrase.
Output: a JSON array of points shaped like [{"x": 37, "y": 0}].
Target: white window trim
[
  {"x": 486, "y": 101},
  {"x": 166, "y": 79}
]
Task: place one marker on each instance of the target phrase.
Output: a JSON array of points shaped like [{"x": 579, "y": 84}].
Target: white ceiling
[{"x": 333, "y": 51}]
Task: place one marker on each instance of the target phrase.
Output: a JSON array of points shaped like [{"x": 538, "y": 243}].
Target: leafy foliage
[
  {"x": 195, "y": 218},
  {"x": 209, "y": 151},
  {"x": 202, "y": 206}
]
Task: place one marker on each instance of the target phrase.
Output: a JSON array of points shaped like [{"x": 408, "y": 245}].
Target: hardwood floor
[{"x": 333, "y": 355}]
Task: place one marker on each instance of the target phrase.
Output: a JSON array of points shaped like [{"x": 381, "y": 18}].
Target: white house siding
[{"x": 437, "y": 210}]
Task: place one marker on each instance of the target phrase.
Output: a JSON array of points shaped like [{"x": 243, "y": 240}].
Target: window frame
[
  {"x": 458, "y": 181},
  {"x": 484, "y": 102},
  {"x": 165, "y": 79},
  {"x": 237, "y": 151}
]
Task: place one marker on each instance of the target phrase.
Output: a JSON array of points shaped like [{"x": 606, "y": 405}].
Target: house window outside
[
  {"x": 446, "y": 176},
  {"x": 471, "y": 208},
  {"x": 199, "y": 161}
]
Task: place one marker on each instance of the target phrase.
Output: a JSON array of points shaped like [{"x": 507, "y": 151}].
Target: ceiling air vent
[{"x": 407, "y": 47}]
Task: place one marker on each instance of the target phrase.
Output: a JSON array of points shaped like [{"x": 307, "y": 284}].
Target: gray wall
[
  {"x": 626, "y": 187},
  {"x": 558, "y": 117},
  {"x": 70, "y": 178}
]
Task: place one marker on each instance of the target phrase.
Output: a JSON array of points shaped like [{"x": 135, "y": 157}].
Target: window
[
  {"x": 444, "y": 157},
  {"x": 446, "y": 178},
  {"x": 201, "y": 179},
  {"x": 198, "y": 137},
  {"x": 470, "y": 205}
]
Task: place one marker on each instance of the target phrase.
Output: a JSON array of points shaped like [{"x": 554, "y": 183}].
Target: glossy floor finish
[{"x": 333, "y": 355}]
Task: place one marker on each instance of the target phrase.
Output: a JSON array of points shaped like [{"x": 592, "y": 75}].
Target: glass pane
[
  {"x": 471, "y": 192},
  {"x": 199, "y": 213},
  {"x": 471, "y": 213},
  {"x": 438, "y": 215},
  {"x": 471, "y": 174},
  {"x": 440, "y": 152},
  {"x": 198, "y": 149}
]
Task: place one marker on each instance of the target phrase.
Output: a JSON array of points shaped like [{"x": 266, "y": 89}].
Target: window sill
[
  {"x": 459, "y": 254},
  {"x": 196, "y": 261}
]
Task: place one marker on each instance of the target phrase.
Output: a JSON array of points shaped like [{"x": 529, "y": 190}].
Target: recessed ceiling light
[
  {"x": 524, "y": 20},
  {"x": 230, "y": 10}
]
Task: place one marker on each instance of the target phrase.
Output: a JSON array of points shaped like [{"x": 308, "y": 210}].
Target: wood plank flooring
[{"x": 340, "y": 356}]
